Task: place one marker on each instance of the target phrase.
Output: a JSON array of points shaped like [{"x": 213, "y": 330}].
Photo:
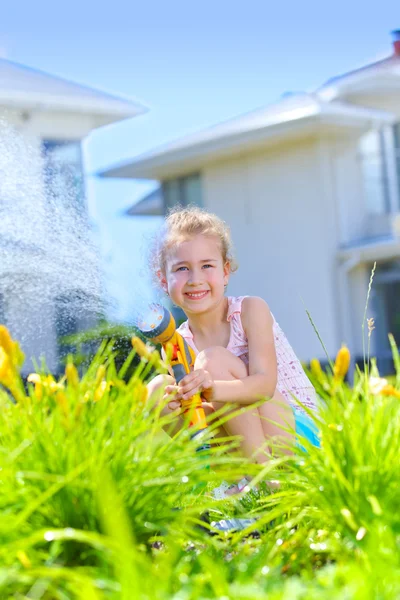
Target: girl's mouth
[{"x": 196, "y": 295}]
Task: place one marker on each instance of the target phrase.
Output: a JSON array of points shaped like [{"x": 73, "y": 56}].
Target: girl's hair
[{"x": 183, "y": 223}]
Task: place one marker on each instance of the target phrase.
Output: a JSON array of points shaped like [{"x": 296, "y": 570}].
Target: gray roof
[
  {"x": 27, "y": 88},
  {"x": 150, "y": 205}
]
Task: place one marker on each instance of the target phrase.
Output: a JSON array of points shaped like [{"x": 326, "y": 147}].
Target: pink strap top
[{"x": 292, "y": 382}]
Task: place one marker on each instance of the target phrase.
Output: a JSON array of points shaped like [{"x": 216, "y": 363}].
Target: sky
[{"x": 192, "y": 64}]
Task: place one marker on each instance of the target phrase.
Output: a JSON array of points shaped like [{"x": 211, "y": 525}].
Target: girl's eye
[
  {"x": 181, "y": 268},
  {"x": 207, "y": 266}
]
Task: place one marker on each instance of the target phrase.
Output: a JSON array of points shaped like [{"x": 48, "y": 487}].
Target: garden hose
[{"x": 159, "y": 326}]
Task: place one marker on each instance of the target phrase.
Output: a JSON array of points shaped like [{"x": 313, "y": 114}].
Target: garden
[{"x": 98, "y": 502}]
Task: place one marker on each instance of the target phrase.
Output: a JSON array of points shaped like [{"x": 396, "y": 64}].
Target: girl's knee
[{"x": 220, "y": 362}]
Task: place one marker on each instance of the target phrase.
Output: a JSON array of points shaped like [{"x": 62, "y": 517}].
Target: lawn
[{"x": 97, "y": 502}]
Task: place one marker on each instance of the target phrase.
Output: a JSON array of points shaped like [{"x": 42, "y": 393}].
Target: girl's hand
[{"x": 196, "y": 382}]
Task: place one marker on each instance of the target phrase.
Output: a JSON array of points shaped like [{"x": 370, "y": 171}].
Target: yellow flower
[
  {"x": 62, "y": 400},
  {"x": 23, "y": 559},
  {"x": 100, "y": 391},
  {"x": 6, "y": 369},
  {"x": 100, "y": 375},
  {"x": 6, "y": 341},
  {"x": 389, "y": 390},
  {"x": 342, "y": 363},
  {"x": 148, "y": 353},
  {"x": 141, "y": 348},
  {"x": 35, "y": 379},
  {"x": 72, "y": 375},
  {"x": 316, "y": 369},
  {"x": 11, "y": 347},
  {"x": 141, "y": 394},
  {"x": 42, "y": 383},
  {"x": 380, "y": 386}
]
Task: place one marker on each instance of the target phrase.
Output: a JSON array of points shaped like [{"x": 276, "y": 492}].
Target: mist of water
[{"x": 49, "y": 262}]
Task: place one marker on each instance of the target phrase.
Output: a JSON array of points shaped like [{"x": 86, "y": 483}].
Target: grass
[{"x": 96, "y": 502}]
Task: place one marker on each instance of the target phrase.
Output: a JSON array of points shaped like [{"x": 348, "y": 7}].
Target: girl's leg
[
  {"x": 275, "y": 414},
  {"x": 251, "y": 425}
]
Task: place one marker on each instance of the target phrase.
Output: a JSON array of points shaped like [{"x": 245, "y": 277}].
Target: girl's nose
[{"x": 195, "y": 278}]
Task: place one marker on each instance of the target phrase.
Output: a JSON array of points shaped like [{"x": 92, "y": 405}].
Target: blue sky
[{"x": 192, "y": 65}]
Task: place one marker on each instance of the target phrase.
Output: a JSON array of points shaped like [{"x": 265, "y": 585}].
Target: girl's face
[{"x": 196, "y": 274}]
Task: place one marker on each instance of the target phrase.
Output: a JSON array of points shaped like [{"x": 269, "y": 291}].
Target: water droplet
[
  {"x": 321, "y": 488},
  {"x": 265, "y": 570},
  {"x": 49, "y": 536},
  {"x": 185, "y": 479},
  {"x": 279, "y": 542},
  {"x": 361, "y": 533}
]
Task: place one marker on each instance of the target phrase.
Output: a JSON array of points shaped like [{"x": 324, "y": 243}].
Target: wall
[{"x": 276, "y": 205}]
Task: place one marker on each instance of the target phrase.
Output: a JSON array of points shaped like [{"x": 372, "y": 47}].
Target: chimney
[{"x": 396, "y": 42}]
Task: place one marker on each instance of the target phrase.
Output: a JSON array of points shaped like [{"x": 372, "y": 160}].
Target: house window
[
  {"x": 374, "y": 173},
  {"x": 396, "y": 131},
  {"x": 385, "y": 298},
  {"x": 182, "y": 191},
  {"x": 63, "y": 171}
]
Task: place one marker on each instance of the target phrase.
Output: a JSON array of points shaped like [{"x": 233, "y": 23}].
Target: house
[
  {"x": 311, "y": 189},
  {"x": 49, "y": 271}
]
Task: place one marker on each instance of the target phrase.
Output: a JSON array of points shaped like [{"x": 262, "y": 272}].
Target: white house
[
  {"x": 311, "y": 189},
  {"x": 48, "y": 263}
]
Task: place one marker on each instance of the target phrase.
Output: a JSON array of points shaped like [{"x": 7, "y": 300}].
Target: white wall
[
  {"x": 281, "y": 223},
  {"x": 347, "y": 188}
]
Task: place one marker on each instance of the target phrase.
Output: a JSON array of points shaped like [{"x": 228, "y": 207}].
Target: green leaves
[{"x": 97, "y": 501}]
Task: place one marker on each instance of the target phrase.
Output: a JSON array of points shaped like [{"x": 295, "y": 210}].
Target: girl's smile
[
  {"x": 196, "y": 274},
  {"x": 196, "y": 295}
]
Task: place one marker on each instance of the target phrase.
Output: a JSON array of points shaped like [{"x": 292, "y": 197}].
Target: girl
[{"x": 242, "y": 353}]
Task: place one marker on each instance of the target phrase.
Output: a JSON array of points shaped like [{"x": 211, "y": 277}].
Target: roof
[
  {"x": 386, "y": 70},
  {"x": 29, "y": 89},
  {"x": 150, "y": 205},
  {"x": 368, "y": 251},
  {"x": 292, "y": 116}
]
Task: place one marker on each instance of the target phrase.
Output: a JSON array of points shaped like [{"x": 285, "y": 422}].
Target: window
[
  {"x": 64, "y": 172},
  {"x": 385, "y": 302},
  {"x": 183, "y": 191},
  {"x": 374, "y": 173}
]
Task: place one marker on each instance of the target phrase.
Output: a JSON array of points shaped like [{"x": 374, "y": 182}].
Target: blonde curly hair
[{"x": 184, "y": 223}]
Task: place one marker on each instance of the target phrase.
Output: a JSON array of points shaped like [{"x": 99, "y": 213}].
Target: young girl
[{"x": 242, "y": 355}]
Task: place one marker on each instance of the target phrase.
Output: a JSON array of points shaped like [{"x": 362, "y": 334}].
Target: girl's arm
[{"x": 257, "y": 323}]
